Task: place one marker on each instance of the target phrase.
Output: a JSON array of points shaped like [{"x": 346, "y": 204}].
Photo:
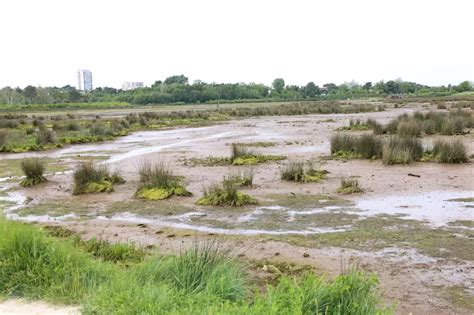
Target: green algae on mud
[
  {"x": 12, "y": 167},
  {"x": 157, "y": 193},
  {"x": 383, "y": 231},
  {"x": 458, "y": 295}
]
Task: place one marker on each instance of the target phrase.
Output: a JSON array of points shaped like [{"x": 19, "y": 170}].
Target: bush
[
  {"x": 225, "y": 194},
  {"x": 90, "y": 178},
  {"x": 33, "y": 170},
  {"x": 402, "y": 150},
  {"x": 349, "y": 186},
  {"x": 450, "y": 152},
  {"x": 158, "y": 182}
]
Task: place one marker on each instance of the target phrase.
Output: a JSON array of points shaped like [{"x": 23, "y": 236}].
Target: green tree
[
  {"x": 30, "y": 93},
  {"x": 176, "y": 79},
  {"x": 278, "y": 85},
  {"x": 74, "y": 95},
  {"x": 311, "y": 90},
  {"x": 463, "y": 87}
]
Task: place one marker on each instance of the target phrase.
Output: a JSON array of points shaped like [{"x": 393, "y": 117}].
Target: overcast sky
[{"x": 45, "y": 42}]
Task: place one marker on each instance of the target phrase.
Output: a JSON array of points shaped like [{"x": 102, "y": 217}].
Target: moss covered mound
[
  {"x": 156, "y": 193},
  {"x": 97, "y": 187},
  {"x": 256, "y": 159},
  {"x": 27, "y": 182}
]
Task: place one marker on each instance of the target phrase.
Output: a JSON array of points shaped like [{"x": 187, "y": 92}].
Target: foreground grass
[{"x": 203, "y": 280}]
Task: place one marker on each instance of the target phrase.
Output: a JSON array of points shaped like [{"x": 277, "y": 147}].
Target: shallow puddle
[{"x": 436, "y": 207}]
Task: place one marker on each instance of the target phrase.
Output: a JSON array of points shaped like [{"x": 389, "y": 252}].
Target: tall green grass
[
  {"x": 204, "y": 279},
  {"x": 36, "y": 266}
]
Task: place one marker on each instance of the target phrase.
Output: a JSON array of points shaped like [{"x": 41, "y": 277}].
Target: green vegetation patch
[
  {"x": 349, "y": 186},
  {"x": 206, "y": 279},
  {"x": 225, "y": 194},
  {"x": 90, "y": 178},
  {"x": 451, "y": 152},
  {"x": 467, "y": 199},
  {"x": 157, "y": 182},
  {"x": 256, "y": 159},
  {"x": 261, "y": 144},
  {"x": 302, "y": 172},
  {"x": 384, "y": 231}
]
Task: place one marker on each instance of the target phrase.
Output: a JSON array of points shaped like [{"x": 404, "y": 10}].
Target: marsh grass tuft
[
  {"x": 402, "y": 150},
  {"x": 349, "y": 186},
  {"x": 366, "y": 146},
  {"x": 242, "y": 179},
  {"x": 302, "y": 172},
  {"x": 450, "y": 151},
  {"x": 158, "y": 182},
  {"x": 91, "y": 178},
  {"x": 33, "y": 170},
  {"x": 225, "y": 194}
]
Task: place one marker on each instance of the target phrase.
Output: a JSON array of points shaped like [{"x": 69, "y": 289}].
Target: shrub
[
  {"x": 90, "y": 178},
  {"x": 349, "y": 186},
  {"x": 225, "y": 194},
  {"x": 299, "y": 172},
  {"x": 402, "y": 150},
  {"x": 33, "y": 170},
  {"x": 158, "y": 182},
  {"x": 450, "y": 152}
]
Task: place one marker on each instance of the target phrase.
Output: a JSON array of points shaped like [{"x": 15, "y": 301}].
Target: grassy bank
[{"x": 206, "y": 279}]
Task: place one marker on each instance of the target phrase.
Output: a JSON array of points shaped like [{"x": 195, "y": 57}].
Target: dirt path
[{"x": 20, "y": 307}]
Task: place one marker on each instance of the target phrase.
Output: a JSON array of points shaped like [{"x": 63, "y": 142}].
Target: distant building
[
  {"x": 84, "y": 80},
  {"x": 131, "y": 85}
]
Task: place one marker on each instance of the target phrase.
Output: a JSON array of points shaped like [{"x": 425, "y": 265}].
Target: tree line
[{"x": 177, "y": 89}]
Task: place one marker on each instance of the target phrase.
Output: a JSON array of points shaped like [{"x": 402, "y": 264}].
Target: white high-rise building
[
  {"x": 131, "y": 85},
  {"x": 84, "y": 80}
]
